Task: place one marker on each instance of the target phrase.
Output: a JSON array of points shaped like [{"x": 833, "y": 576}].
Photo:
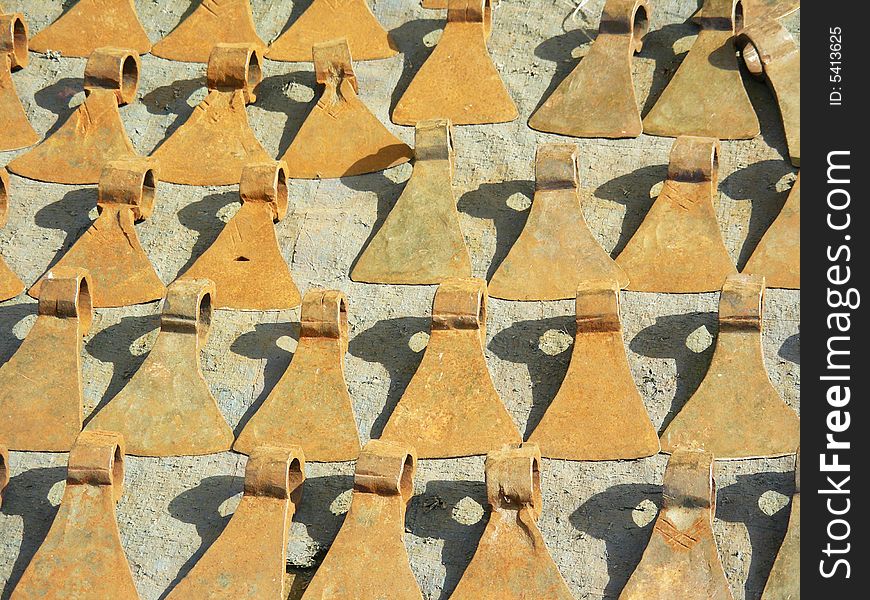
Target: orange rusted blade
[
  {"x": 770, "y": 51},
  {"x": 245, "y": 261},
  {"x": 736, "y": 412},
  {"x": 10, "y": 284},
  {"x": 110, "y": 250},
  {"x": 340, "y": 136},
  {"x": 784, "y": 580},
  {"x": 594, "y": 417},
  {"x": 4, "y": 471},
  {"x": 310, "y": 405},
  {"x": 368, "y": 559},
  {"x": 678, "y": 247},
  {"x": 778, "y": 255},
  {"x": 248, "y": 560},
  {"x": 216, "y": 142},
  {"x": 451, "y": 407},
  {"x": 92, "y": 24},
  {"x": 327, "y": 20},
  {"x": 681, "y": 559},
  {"x": 94, "y": 134},
  {"x": 421, "y": 240},
  {"x": 41, "y": 385},
  {"x": 82, "y": 557},
  {"x": 511, "y": 561},
  {"x": 459, "y": 80},
  {"x": 212, "y": 22},
  {"x": 555, "y": 251},
  {"x": 597, "y": 99},
  {"x": 16, "y": 131},
  {"x": 166, "y": 409},
  {"x": 706, "y": 96}
]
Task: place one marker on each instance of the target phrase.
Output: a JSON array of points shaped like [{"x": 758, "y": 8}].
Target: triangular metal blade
[
  {"x": 681, "y": 559},
  {"x": 92, "y": 24},
  {"x": 451, "y": 407},
  {"x": 310, "y": 406},
  {"x": 245, "y": 261},
  {"x": 678, "y": 247},
  {"x": 556, "y": 251},
  {"x": 459, "y": 81},
  {"x": 249, "y": 559},
  {"x": 41, "y": 385},
  {"x": 511, "y": 561},
  {"x": 326, "y": 20},
  {"x": 212, "y": 22},
  {"x": 340, "y": 136},
  {"x": 421, "y": 240},
  {"x": 82, "y": 557},
  {"x": 736, "y": 412},
  {"x": 216, "y": 142},
  {"x": 167, "y": 409},
  {"x": 94, "y": 134},
  {"x": 597, "y": 98},
  {"x": 368, "y": 559},
  {"x": 706, "y": 96},
  {"x": 595, "y": 417},
  {"x": 110, "y": 250}
]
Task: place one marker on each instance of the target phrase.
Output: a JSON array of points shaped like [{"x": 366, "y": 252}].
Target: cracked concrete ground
[{"x": 597, "y": 516}]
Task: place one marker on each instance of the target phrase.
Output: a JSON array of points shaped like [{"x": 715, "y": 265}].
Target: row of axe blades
[
  {"x": 735, "y": 413},
  {"x": 368, "y": 556},
  {"x": 421, "y": 240},
  {"x": 459, "y": 81}
]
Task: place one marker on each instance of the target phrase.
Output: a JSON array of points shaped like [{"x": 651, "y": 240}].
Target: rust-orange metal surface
[
  {"x": 421, "y": 240},
  {"x": 110, "y": 250},
  {"x": 92, "y": 24},
  {"x": 249, "y": 559},
  {"x": 245, "y": 261},
  {"x": 459, "y": 80},
  {"x": 82, "y": 557},
  {"x": 10, "y": 284},
  {"x": 216, "y": 142},
  {"x": 94, "y": 134},
  {"x": 368, "y": 559},
  {"x": 681, "y": 559},
  {"x": 212, "y": 22},
  {"x": 16, "y": 131},
  {"x": 736, "y": 412},
  {"x": 451, "y": 407},
  {"x": 41, "y": 385},
  {"x": 597, "y": 98},
  {"x": 678, "y": 247},
  {"x": 340, "y": 136},
  {"x": 556, "y": 251},
  {"x": 706, "y": 96},
  {"x": 512, "y": 561},
  {"x": 770, "y": 52},
  {"x": 596, "y": 416},
  {"x": 326, "y": 20},
  {"x": 310, "y": 405},
  {"x": 778, "y": 255},
  {"x": 167, "y": 409}
]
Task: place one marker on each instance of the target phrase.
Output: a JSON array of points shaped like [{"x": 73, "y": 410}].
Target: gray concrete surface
[{"x": 597, "y": 517}]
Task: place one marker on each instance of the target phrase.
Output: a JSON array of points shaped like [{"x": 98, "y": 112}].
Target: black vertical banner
[{"x": 834, "y": 256}]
